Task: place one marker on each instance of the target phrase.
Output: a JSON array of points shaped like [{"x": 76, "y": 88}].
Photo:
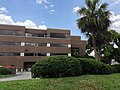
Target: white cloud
[
  {"x": 115, "y": 20},
  {"x": 46, "y": 7},
  {"x": 27, "y": 24},
  {"x": 43, "y": 22},
  {"x": 42, "y": 27},
  {"x": 117, "y": 1},
  {"x": 5, "y": 19},
  {"x": 3, "y": 10},
  {"x": 113, "y": 2},
  {"x": 42, "y": 1},
  {"x": 51, "y": 5},
  {"x": 31, "y": 24},
  {"x": 75, "y": 9},
  {"x": 51, "y": 11}
]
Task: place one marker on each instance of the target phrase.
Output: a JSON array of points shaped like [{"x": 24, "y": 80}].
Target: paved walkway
[{"x": 19, "y": 76}]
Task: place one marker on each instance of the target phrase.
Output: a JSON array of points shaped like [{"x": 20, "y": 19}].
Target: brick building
[{"x": 22, "y": 47}]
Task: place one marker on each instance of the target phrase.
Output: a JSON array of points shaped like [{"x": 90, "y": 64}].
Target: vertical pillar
[
  {"x": 22, "y": 44},
  {"x": 21, "y": 54},
  {"x": 48, "y": 54},
  {"x": 48, "y": 44},
  {"x": 69, "y": 45},
  {"x": 69, "y": 54}
]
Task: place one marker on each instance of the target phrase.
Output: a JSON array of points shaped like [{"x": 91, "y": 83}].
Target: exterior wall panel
[{"x": 18, "y": 61}]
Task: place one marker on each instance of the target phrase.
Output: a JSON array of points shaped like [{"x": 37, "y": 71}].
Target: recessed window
[
  {"x": 9, "y": 43},
  {"x": 35, "y": 34},
  {"x": 9, "y": 54},
  {"x": 35, "y": 44},
  {"x": 11, "y": 32},
  {"x": 53, "y": 54},
  {"x": 58, "y": 45},
  {"x": 58, "y": 35},
  {"x": 34, "y": 54}
]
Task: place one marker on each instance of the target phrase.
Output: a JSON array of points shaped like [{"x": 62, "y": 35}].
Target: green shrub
[
  {"x": 4, "y": 71},
  {"x": 91, "y": 66},
  {"x": 56, "y": 66},
  {"x": 116, "y": 68}
]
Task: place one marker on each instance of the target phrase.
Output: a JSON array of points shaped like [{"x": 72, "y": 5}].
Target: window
[
  {"x": 35, "y": 34},
  {"x": 36, "y": 44},
  {"x": 11, "y": 32},
  {"x": 9, "y": 54},
  {"x": 42, "y": 44},
  {"x": 10, "y": 43},
  {"x": 58, "y": 35},
  {"x": 29, "y": 54},
  {"x": 35, "y": 54},
  {"x": 41, "y": 54},
  {"x": 53, "y": 54},
  {"x": 58, "y": 45}
]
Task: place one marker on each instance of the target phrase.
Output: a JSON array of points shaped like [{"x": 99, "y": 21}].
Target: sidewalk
[{"x": 19, "y": 76}]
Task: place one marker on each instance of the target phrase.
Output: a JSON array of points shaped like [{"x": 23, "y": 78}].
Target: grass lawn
[{"x": 85, "y": 82}]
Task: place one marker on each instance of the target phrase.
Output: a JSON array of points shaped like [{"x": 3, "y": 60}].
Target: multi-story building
[{"x": 22, "y": 47}]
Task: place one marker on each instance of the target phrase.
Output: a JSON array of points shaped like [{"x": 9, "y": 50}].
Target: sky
[{"x": 43, "y": 14}]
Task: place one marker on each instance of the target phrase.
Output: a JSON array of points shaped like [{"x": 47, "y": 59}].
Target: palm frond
[{"x": 103, "y": 6}]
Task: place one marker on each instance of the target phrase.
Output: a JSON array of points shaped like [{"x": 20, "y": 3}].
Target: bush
[
  {"x": 91, "y": 66},
  {"x": 116, "y": 68},
  {"x": 56, "y": 66},
  {"x": 4, "y": 71}
]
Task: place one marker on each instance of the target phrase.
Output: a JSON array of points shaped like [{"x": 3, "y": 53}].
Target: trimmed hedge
[
  {"x": 91, "y": 66},
  {"x": 4, "y": 71},
  {"x": 56, "y": 66},
  {"x": 116, "y": 68}
]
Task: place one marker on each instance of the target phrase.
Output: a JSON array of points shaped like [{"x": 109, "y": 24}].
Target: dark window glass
[
  {"x": 34, "y": 54},
  {"x": 58, "y": 35},
  {"x": 36, "y": 44},
  {"x": 11, "y": 32},
  {"x": 35, "y": 35},
  {"x": 53, "y": 54},
  {"x": 41, "y": 54},
  {"x": 9, "y": 54},
  {"x": 58, "y": 45},
  {"x": 29, "y": 54},
  {"x": 42, "y": 44},
  {"x": 10, "y": 43}
]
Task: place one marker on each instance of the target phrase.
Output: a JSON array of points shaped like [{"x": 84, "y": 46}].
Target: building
[{"x": 22, "y": 47}]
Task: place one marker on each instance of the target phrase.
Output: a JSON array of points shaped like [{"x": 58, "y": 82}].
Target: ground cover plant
[{"x": 84, "y": 82}]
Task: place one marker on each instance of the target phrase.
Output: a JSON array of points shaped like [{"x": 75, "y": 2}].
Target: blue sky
[{"x": 50, "y": 13}]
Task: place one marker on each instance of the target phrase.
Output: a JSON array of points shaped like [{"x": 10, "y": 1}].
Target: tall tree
[
  {"x": 108, "y": 45},
  {"x": 94, "y": 20}
]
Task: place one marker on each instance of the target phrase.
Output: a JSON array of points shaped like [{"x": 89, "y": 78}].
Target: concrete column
[
  {"x": 21, "y": 54},
  {"x": 69, "y": 45},
  {"x": 48, "y": 54},
  {"x": 69, "y": 54},
  {"x": 22, "y": 43},
  {"x": 48, "y": 44}
]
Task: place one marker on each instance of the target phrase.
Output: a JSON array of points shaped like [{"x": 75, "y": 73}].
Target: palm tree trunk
[{"x": 97, "y": 56}]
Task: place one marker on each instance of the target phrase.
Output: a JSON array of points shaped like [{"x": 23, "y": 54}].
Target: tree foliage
[
  {"x": 94, "y": 20},
  {"x": 106, "y": 44},
  {"x": 112, "y": 49}
]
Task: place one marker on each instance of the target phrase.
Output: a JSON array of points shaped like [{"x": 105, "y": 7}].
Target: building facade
[{"x": 22, "y": 47}]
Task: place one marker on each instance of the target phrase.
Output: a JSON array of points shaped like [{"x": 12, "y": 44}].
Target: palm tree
[{"x": 94, "y": 20}]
